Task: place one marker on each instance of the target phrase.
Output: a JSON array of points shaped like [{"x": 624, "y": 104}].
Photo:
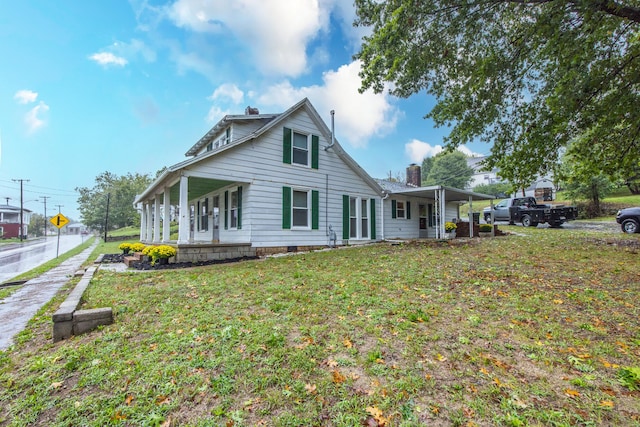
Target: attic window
[{"x": 300, "y": 149}]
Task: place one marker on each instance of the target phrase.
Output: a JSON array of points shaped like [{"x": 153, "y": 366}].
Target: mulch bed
[{"x": 146, "y": 265}]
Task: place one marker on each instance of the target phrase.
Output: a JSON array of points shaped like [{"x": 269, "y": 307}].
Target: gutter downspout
[
  {"x": 333, "y": 113},
  {"x": 382, "y": 213}
]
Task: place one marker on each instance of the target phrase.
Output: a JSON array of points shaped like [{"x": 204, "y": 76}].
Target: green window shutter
[
  {"x": 239, "y": 208},
  {"x": 408, "y": 210},
  {"x": 226, "y": 210},
  {"x": 286, "y": 146},
  {"x": 345, "y": 217},
  {"x": 315, "y": 146},
  {"x": 286, "y": 208},
  {"x": 393, "y": 209},
  {"x": 315, "y": 209},
  {"x": 372, "y": 202}
]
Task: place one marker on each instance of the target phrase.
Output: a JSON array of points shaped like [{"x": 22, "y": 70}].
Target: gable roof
[{"x": 271, "y": 121}]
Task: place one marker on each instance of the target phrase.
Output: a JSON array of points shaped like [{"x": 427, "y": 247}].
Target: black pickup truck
[{"x": 526, "y": 211}]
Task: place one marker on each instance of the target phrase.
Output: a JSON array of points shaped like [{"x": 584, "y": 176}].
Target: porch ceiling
[{"x": 198, "y": 187}]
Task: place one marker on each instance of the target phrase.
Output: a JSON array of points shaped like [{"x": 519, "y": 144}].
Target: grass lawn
[{"x": 538, "y": 328}]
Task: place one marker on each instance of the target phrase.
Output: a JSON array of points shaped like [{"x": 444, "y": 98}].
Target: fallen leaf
[
  {"x": 56, "y": 385},
  {"x": 338, "y": 378},
  {"x": 310, "y": 388},
  {"x": 162, "y": 400},
  {"x": 128, "y": 399},
  {"x": 572, "y": 393},
  {"x": 347, "y": 343},
  {"x": 606, "y": 404},
  {"x": 377, "y": 415}
]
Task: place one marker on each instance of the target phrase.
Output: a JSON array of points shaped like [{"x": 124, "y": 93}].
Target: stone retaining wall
[{"x": 68, "y": 320}]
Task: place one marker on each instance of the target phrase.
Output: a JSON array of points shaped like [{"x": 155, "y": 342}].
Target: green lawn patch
[{"x": 539, "y": 328}]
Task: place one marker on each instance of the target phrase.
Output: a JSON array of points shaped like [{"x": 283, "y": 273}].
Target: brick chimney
[{"x": 414, "y": 175}]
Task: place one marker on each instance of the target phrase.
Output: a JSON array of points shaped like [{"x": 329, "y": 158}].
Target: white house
[
  {"x": 261, "y": 183},
  {"x": 10, "y": 221}
]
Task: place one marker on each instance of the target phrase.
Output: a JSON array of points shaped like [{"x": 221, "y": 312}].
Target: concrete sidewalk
[{"x": 22, "y": 305}]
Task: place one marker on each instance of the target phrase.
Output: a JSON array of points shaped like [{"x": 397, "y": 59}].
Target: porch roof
[{"x": 451, "y": 194}]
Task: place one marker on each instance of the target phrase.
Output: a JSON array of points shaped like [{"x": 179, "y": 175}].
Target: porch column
[
  {"x": 185, "y": 212},
  {"x": 156, "y": 220},
  {"x": 166, "y": 218},
  {"x": 149, "y": 235},
  {"x": 470, "y": 216},
  {"x": 143, "y": 222},
  {"x": 443, "y": 211}
]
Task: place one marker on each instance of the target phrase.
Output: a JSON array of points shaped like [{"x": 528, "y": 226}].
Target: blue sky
[{"x": 130, "y": 86}]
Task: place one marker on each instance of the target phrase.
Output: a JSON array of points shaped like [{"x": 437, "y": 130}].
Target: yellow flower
[{"x": 449, "y": 226}]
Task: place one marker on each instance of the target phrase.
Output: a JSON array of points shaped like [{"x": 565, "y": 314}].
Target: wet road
[{"x": 19, "y": 258}]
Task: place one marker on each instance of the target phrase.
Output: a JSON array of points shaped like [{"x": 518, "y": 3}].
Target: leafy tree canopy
[
  {"x": 449, "y": 169},
  {"x": 528, "y": 76},
  {"x": 122, "y": 191}
]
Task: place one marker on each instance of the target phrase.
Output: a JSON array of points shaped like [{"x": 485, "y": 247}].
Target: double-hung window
[
  {"x": 300, "y": 146},
  {"x": 358, "y": 218},
  {"x": 233, "y": 210},
  {"x": 400, "y": 212},
  {"x": 300, "y": 209}
]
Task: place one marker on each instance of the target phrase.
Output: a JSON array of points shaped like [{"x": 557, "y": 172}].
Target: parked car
[{"x": 629, "y": 220}]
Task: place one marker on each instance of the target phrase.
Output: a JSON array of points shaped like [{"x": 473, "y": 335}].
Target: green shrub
[{"x": 485, "y": 228}]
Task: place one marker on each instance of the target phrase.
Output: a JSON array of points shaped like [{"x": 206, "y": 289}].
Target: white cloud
[
  {"x": 25, "y": 96},
  {"x": 108, "y": 58},
  {"x": 228, "y": 91},
  {"x": 417, "y": 150},
  {"x": 133, "y": 49},
  {"x": 357, "y": 116},
  {"x": 215, "y": 114},
  {"x": 33, "y": 118},
  {"x": 276, "y": 31}
]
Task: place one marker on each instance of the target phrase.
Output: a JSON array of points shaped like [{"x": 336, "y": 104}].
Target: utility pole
[
  {"x": 21, "y": 207},
  {"x": 45, "y": 214},
  {"x": 59, "y": 206},
  {"x": 106, "y": 218}
]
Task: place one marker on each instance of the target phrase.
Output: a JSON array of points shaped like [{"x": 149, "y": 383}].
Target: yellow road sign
[{"x": 59, "y": 220}]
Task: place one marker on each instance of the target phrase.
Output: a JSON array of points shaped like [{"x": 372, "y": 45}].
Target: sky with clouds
[{"x": 130, "y": 86}]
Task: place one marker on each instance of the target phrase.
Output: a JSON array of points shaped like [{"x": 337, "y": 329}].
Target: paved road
[
  {"x": 18, "y": 258},
  {"x": 22, "y": 305}
]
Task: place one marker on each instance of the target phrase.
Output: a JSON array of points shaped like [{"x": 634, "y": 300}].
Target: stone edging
[{"x": 68, "y": 320}]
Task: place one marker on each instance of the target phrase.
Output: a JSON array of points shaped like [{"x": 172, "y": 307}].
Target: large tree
[
  {"x": 528, "y": 76},
  {"x": 449, "y": 169},
  {"x": 119, "y": 192}
]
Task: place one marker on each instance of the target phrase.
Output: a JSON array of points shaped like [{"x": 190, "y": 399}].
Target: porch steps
[{"x": 135, "y": 257}]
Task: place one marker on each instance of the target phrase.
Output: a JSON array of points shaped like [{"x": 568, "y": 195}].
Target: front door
[{"x": 423, "y": 218}]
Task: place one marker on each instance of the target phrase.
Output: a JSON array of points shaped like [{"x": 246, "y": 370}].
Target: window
[
  {"x": 233, "y": 210},
  {"x": 300, "y": 208},
  {"x": 358, "y": 218},
  {"x": 353, "y": 218},
  {"x": 400, "y": 212},
  {"x": 203, "y": 214},
  {"x": 364, "y": 218},
  {"x": 300, "y": 149}
]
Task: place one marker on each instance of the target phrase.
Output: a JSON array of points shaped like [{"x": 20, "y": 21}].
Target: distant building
[
  {"x": 10, "y": 221},
  {"x": 479, "y": 176},
  {"x": 77, "y": 228}
]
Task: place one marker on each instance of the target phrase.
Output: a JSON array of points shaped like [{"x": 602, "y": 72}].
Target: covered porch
[
  {"x": 179, "y": 195},
  {"x": 432, "y": 208}
]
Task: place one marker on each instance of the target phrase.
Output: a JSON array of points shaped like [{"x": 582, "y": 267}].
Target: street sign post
[{"x": 59, "y": 221}]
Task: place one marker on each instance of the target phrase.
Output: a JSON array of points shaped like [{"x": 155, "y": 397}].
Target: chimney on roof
[
  {"x": 414, "y": 177},
  {"x": 250, "y": 111}
]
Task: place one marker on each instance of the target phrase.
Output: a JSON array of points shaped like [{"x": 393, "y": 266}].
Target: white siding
[
  {"x": 402, "y": 228},
  {"x": 260, "y": 163}
]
